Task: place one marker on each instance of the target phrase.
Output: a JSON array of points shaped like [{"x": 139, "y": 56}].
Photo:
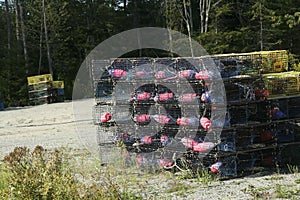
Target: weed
[
  {"x": 281, "y": 191},
  {"x": 43, "y": 174},
  {"x": 257, "y": 193},
  {"x": 202, "y": 176},
  {"x": 293, "y": 169}
]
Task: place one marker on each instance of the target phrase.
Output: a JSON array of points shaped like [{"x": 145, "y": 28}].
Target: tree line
[{"x": 54, "y": 36}]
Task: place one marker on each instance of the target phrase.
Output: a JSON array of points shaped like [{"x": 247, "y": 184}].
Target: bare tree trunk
[
  {"x": 186, "y": 18},
  {"x": 136, "y": 19},
  {"x": 216, "y": 17},
  {"x": 169, "y": 27},
  {"x": 41, "y": 41},
  {"x": 208, "y": 2},
  {"x": 124, "y": 4},
  {"x": 191, "y": 16},
  {"x": 261, "y": 28},
  {"x": 46, "y": 39},
  {"x": 24, "y": 39},
  {"x": 16, "y": 2},
  {"x": 8, "y": 19},
  {"x": 201, "y": 8}
]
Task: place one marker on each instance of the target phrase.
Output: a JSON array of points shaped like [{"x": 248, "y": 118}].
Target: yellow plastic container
[
  {"x": 45, "y": 78},
  {"x": 40, "y": 78},
  {"x": 58, "y": 84},
  {"x": 31, "y": 80}
]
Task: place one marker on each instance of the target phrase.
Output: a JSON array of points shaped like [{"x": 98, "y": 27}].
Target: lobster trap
[{"x": 164, "y": 113}]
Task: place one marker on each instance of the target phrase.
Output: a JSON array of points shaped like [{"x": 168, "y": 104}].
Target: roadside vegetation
[{"x": 73, "y": 174}]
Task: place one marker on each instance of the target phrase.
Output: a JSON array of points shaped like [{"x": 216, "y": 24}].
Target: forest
[{"x": 55, "y": 36}]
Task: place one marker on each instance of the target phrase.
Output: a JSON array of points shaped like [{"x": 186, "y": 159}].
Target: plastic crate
[
  {"x": 58, "y": 84},
  {"x": 40, "y": 78},
  {"x": 40, "y": 86},
  {"x": 38, "y": 94},
  {"x": 60, "y": 92},
  {"x": 39, "y": 101},
  {"x": 32, "y": 80},
  {"x": 45, "y": 78}
]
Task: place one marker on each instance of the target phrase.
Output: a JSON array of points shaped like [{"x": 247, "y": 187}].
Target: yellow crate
[
  {"x": 286, "y": 83},
  {"x": 40, "y": 86},
  {"x": 39, "y": 78},
  {"x": 58, "y": 84},
  {"x": 31, "y": 80},
  {"x": 45, "y": 78}
]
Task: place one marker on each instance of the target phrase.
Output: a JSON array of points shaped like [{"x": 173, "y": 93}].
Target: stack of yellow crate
[{"x": 42, "y": 89}]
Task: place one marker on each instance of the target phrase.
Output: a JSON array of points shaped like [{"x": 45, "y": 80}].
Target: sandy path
[{"x": 49, "y": 125}]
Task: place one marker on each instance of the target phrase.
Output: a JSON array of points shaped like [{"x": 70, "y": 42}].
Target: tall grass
[{"x": 43, "y": 174}]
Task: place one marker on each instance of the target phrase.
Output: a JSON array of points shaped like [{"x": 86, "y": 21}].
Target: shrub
[{"x": 43, "y": 174}]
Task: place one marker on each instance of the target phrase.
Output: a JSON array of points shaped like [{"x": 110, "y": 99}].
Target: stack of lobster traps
[
  {"x": 42, "y": 89},
  {"x": 166, "y": 113}
]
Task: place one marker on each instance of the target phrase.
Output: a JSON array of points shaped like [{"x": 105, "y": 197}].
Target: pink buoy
[
  {"x": 147, "y": 139},
  {"x": 143, "y": 118},
  {"x": 188, "y": 97},
  {"x": 189, "y": 142},
  {"x": 118, "y": 73},
  {"x": 160, "y": 75},
  {"x": 215, "y": 168},
  {"x": 187, "y": 121},
  {"x": 203, "y": 147},
  {"x": 201, "y": 75},
  {"x": 106, "y": 117},
  {"x": 143, "y": 96},
  {"x": 205, "y": 123},
  {"x": 185, "y": 73},
  {"x": 165, "y": 163},
  {"x": 162, "y": 119},
  {"x": 166, "y": 96}
]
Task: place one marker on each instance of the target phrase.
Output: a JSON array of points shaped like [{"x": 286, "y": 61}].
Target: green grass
[
  {"x": 257, "y": 193},
  {"x": 74, "y": 174},
  {"x": 286, "y": 191}
]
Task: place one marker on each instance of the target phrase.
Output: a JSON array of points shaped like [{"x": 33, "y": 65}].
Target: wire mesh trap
[{"x": 164, "y": 113}]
